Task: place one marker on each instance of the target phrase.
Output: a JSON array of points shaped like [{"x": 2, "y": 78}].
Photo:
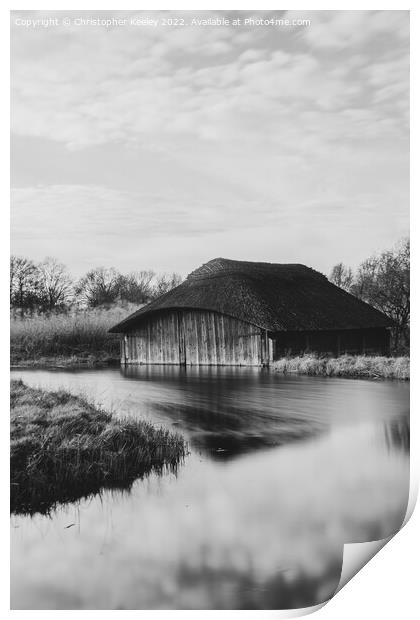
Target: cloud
[
  {"x": 88, "y": 225},
  {"x": 351, "y": 29},
  {"x": 89, "y": 210},
  {"x": 206, "y": 135},
  {"x": 92, "y": 86}
]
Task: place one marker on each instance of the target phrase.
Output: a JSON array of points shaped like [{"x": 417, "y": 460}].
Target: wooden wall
[
  {"x": 333, "y": 342},
  {"x": 196, "y": 337},
  {"x": 199, "y": 337}
]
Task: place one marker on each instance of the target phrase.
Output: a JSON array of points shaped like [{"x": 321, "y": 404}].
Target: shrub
[
  {"x": 80, "y": 334},
  {"x": 356, "y": 366}
]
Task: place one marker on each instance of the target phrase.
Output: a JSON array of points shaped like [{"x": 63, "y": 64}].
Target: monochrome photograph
[{"x": 209, "y": 304}]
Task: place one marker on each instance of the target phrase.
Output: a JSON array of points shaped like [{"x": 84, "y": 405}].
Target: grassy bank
[
  {"x": 353, "y": 366},
  {"x": 76, "y": 339},
  {"x": 86, "y": 360},
  {"x": 64, "y": 448}
]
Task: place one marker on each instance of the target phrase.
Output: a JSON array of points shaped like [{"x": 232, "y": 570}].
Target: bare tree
[
  {"x": 136, "y": 287},
  {"x": 384, "y": 282},
  {"x": 99, "y": 286},
  {"x": 56, "y": 287},
  {"x": 164, "y": 283},
  {"x": 24, "y": 283},
  {"x": 342, "y": 276}
]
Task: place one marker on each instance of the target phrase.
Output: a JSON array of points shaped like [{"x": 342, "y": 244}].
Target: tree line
[
  {"x": 383, "y": 281},
  {"x": 47, "y": 286}
]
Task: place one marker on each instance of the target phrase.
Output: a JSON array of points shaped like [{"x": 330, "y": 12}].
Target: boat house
[{"x": 239, "y": 313}]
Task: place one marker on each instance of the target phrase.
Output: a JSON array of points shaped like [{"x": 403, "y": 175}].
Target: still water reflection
[{"x": 282, "y": 472}]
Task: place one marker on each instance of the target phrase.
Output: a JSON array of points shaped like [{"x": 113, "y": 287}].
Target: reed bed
[
  {"x": 80, "y": 337},
  {"x": 64, "y": 448},
  {"x": 353, "y": 366}
]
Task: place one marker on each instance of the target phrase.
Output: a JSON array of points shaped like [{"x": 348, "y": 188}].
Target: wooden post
[
  {"x": 267, "y": 348},
  {"x": 182, "y": 343},
  {"x": 387, "y": 341},
  {"x": 265, "y": 355},
  {"x": 125, "y": 349}
]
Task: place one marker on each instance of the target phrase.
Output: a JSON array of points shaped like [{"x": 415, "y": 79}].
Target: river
[{"x": 281, "y": 472}]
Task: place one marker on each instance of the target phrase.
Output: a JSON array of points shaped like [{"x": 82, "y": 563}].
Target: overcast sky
[{"x": 163, "y": 147}]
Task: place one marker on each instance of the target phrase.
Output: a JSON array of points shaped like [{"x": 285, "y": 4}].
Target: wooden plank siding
[
  {"x": 199, "y": 337},
  {"x": 373, "y": 341},
  {"x": 194, "y": 337}
]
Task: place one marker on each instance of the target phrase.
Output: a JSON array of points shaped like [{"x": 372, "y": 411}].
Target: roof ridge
[{"x": 227, "y": 266}]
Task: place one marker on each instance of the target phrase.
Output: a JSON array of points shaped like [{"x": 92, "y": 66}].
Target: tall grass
[
  {"x": 76, "y": 336},
  {"x": 64, "y": 448},
  {"x": 356, "y": 366}
]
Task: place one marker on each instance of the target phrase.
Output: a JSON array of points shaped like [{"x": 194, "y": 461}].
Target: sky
[{"x": 162, "y": 147}]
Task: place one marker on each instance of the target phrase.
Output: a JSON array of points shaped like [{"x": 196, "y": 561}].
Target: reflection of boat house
[{"x": 241, "y": 313}]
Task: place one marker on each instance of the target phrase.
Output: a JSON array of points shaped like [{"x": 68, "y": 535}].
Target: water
[{"x": 282, "y": 472}]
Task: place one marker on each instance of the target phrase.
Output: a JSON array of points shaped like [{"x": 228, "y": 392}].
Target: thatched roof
[{"x": 276, "y": 297}]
